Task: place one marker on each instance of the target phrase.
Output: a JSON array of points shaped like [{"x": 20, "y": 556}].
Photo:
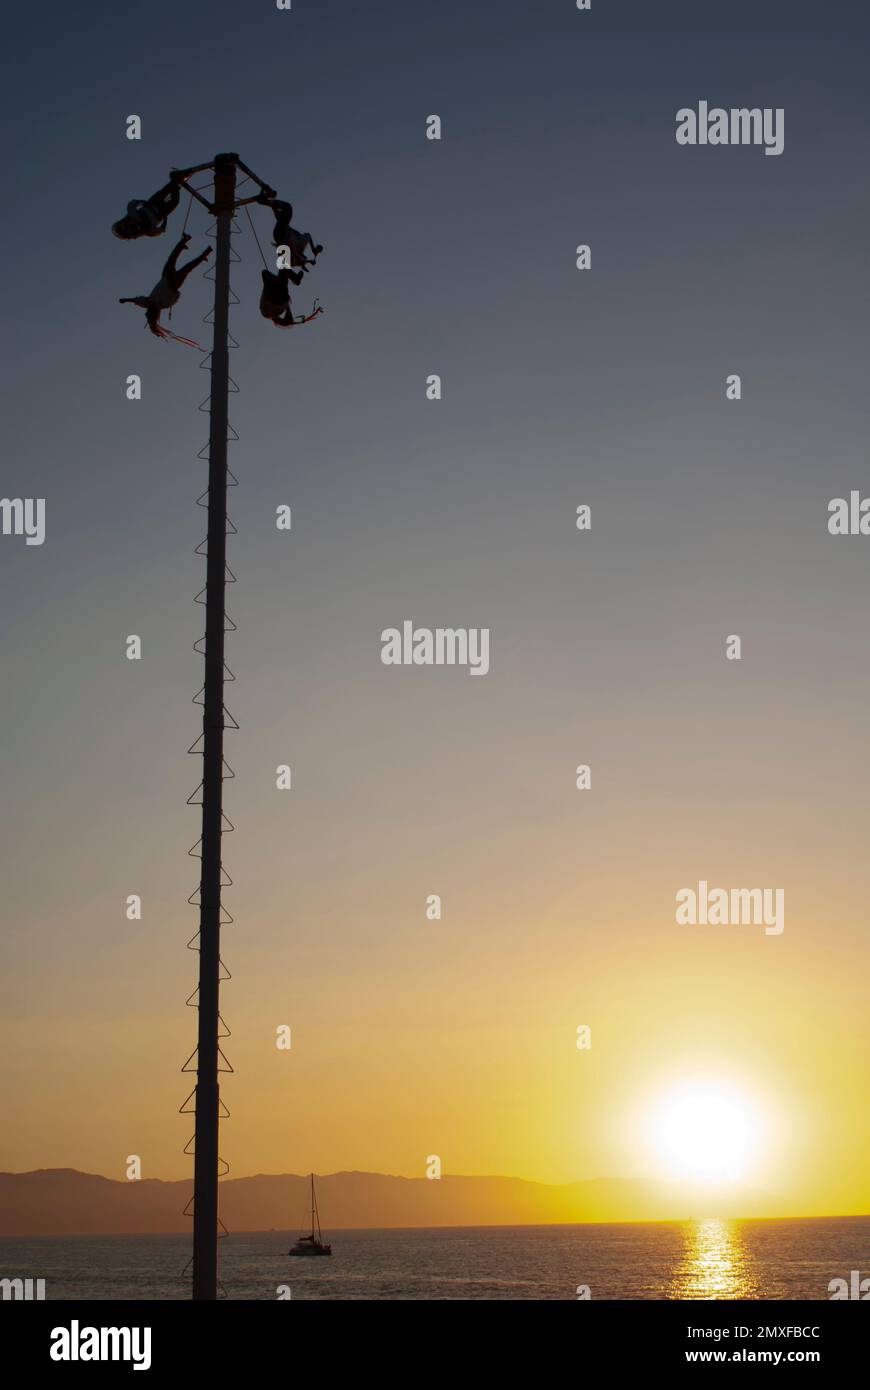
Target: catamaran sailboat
[{"x": 313, "y": 1244}]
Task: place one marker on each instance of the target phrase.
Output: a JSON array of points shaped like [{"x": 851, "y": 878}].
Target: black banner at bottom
[{"x": 157, "y": 1338}]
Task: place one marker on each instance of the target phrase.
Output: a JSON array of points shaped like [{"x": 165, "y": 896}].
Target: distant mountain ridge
[{"x": 63, "y": 1201}]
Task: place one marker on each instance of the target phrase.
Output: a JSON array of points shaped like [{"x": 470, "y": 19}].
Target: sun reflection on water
[{"x": 715, "y": 1262}]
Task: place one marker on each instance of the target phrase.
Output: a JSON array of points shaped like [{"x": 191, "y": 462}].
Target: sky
[{"x": 561, "y": 388}]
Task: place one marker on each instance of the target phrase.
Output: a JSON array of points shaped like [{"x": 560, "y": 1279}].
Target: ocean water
[{"x": 690, "y": 1260}]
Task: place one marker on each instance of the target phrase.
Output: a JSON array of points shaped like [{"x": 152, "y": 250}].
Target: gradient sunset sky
[{"x": 560, "y": 388}]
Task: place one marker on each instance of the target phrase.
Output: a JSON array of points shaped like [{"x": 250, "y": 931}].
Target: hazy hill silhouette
[{"x": 63, "y": 1201}]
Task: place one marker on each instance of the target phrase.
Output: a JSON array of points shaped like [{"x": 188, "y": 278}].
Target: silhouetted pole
[{"x": 205, "y": 1190}]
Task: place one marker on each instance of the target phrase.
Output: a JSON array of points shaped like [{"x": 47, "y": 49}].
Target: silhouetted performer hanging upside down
[
  {"x": 285, "y": 235},
  {"x": 147, "y": 216},
  {"x": 167, "y": 291},
  {"x": 275, "y": 299}
]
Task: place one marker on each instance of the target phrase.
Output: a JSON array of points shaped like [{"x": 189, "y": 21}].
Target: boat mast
[{"x": 315, "y": 1214}]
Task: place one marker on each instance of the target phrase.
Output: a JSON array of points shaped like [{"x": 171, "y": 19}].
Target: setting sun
[{"x": 706, "y": 1132}]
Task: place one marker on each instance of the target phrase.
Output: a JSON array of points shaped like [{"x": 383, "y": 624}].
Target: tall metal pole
[{"x": 205, "y": 1209}]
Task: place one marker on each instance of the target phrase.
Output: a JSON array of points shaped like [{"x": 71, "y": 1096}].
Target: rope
[
  {"x": 256, "y": 238},
  {"x": 187, "y": 215}
]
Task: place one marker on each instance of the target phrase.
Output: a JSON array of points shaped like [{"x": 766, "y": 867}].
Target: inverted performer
[
  {"x": 167, "y": 291},
  {"x": 286, "y": 235},
  {"x": 148, "y": 216}
]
